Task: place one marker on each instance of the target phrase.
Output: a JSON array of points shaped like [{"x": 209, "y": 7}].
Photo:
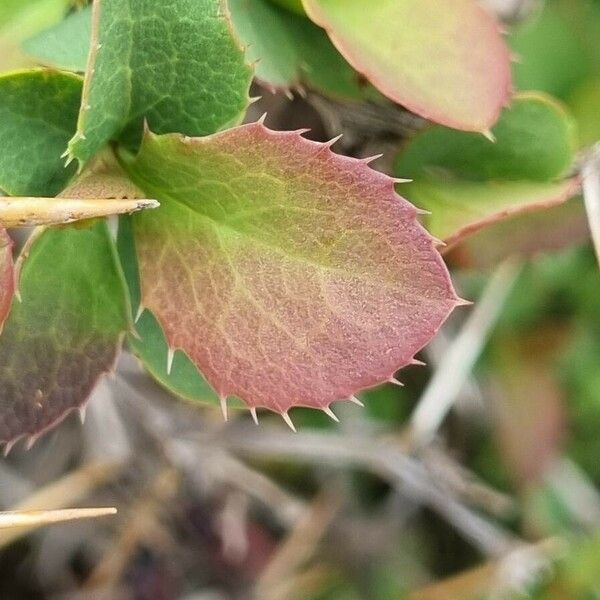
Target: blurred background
[{"x": 480, "y": 478}]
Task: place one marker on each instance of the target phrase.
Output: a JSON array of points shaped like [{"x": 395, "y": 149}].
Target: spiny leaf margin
[{"x": 294, "y": 169}]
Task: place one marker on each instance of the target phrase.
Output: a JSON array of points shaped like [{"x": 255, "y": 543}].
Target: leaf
[
  {"x": 66, "y": 45},
  {"x": 445, "y": 61},
  {"x": 175, "y": 64},
  {"x": 293, "y": 5},
  {"x": 22, "y": 19},
  {"x": 7, "y": 276},
  {"x": 468, "y": 182},
  {"x": 38, "y": 115},
  {"x": 289, "y": 275},
  {"x": 66, "y": 332},
  {"x": 290, "y": 50},
  {"x": 148, "y": 342}
]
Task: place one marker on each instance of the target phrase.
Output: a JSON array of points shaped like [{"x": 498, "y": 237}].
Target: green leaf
[
  {"x": 38, "y": 115},
  {"x": 469, "y": 182},
  {"x": 293, "y": 5},
  {"x": 557, "y": 48},
  {"x": 65, "y": 333},
  {"x": 175, "y": 64},
  {"x": 445, "y": 61},
  {"x": 290, "y": 50},
  {"x": 7, "y": 275},
  {"x": 20, "y": 19},
  {"x": 289, "y": 275},
  {"x": 66, "y": 45},
  {"x": 584, "y": 103}
]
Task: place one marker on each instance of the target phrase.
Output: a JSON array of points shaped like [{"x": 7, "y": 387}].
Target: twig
[
  {"x": 36, "y": 518},
  {"x": 385, "y": 460},
  {"x": 59, "y": 494},
  {"x": 454, "y": 369}
]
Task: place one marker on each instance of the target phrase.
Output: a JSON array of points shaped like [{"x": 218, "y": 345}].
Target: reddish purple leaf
[{"x": 291, "y": 276}]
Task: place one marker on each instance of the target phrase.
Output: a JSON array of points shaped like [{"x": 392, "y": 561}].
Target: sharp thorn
[
  {"x": 288, "y": 421},
  {"x": 261, "y": 120},
  {"x": 421, "y": 211},
  {"x": 418, "y": 363},
  {"x": 401, "y": 180},
  {"x": 332, "y": 141},
  {"x": 17, "y": 295},
  {"x": 489, "y": 135},
  {"x": 394, "y": 381},
  {"x": 31, "y": 440},
  {"x": 355, "y": 400},
  {"x": 223, "y": 401},
  {"x": 82, "y": 411},
  {"x": 370, "y": 159},
  {"x": 327, "y": 410},
  {"x": 254, "y": 99},
  {"x": 254, "y": 414},
  {"x": 288, "y": 94},
  {"x": 463, "y": 302},
  {"x": 139, "y": 312},
  {"x": 170, "y": 357}
]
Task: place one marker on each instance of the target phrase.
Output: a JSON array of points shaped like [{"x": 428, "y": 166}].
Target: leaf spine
[
  {"x": 327, "y": 410},
  {"x": 223, "y": 401},
  {"x": 288, "y": 421},
  {"x": 254, "y": 414}
]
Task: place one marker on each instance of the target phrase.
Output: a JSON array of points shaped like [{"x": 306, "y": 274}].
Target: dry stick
[
  {"x": 406, "y": 474},
  {"x": 454, "y": 369},
  {"x": 591, "y": 195},
  {"x": 37, "y": 518},
  {"x": 60, "y": 494}
]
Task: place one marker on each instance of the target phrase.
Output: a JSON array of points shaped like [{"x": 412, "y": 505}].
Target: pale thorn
[
  {"x": 301, "y": 91},
  {"x": 262, "y": 118},
  {"x": 254, "y": 99},
  {"x": 82, "y": 411},
  {"x": 138, "y": 314},
  {"x": 31, "y": 440},
  {"x": 302, "y": 131},
  {"x": 401, "y": 180},
  {"x": 463, "y": 302},
  {"x": 370, "y": 159},
  {"x": 327, "y": 410},
  {"x": 65, "y": 153},
  {"x": 438, "y": 243},
  {"x": 332, "y": 141},
  {"x": 8, "y": 447},
  {"x": 394, "y": 381},
  {"x": 355, "y": 400},
  {"x": 418, "y": 363},
  {"x": 254, "y": 414},
  {"x": 422, "y": 211},
  {"x": 170, "y": 357},
  {"x": 288, "y": 94},
  {"x": 489, "y": 135},
  {"x": 17, "y": 295},
  {"x": 288, "y": 421},
  {"x": 223, "y": 401}
]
